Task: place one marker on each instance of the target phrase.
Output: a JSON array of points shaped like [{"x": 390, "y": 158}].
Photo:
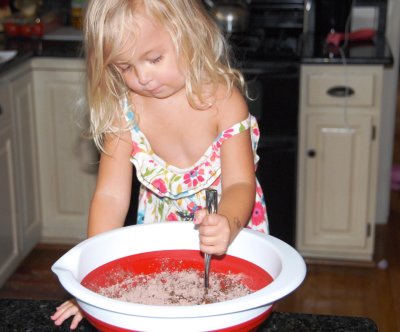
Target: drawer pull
[
  {"x": 311, "y": 153},
  {"x": 340, "y": 91}
]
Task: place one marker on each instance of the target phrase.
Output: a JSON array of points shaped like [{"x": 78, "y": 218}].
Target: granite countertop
[
  {"x": 33, "y": 315},
  {"x": 28, "y": 48}
]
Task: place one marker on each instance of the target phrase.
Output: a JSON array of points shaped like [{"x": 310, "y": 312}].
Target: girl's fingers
[
  {"x": 64, "y": 305},
  {"x": 75, "y": 321},
  {"x": 66, "y": 310},
  {"x": 199, "y": 216}
]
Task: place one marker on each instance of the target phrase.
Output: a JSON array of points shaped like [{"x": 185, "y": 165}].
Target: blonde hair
[{"x": 200, "y": 46}]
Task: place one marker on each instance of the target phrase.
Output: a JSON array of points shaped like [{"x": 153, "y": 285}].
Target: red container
[
  {"x": 174, "y": 246},
  {"x": 147, "y": 263}
]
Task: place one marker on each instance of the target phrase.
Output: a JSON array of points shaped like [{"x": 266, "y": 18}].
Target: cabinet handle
[
  {"x": 1, "y": 110},
  {"x": 311, "y": 153},
  {"x": 340, "y": 91}
]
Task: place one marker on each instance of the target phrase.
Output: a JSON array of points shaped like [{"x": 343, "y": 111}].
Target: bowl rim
[{"x": 291, "y": 276}]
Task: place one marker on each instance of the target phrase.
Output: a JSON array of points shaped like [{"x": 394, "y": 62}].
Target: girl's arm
[
  {"x": 237, "y": 167},
  {"x": 111, "y": 199},
  {"x": 217, "y": 231},
  {"x": 109, "y": 205}
]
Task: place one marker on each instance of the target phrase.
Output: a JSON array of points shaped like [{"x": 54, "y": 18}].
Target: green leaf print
[
  {"x": 148, "y": 172},
  {"x": 173, "y": 179},
  {"x": 160, "y": 209}
]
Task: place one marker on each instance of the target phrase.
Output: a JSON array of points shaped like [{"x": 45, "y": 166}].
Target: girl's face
[{"x": 149, "y": 65}]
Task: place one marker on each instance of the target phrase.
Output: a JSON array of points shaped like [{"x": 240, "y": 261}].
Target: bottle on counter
[{"x": 77, "y": 11}]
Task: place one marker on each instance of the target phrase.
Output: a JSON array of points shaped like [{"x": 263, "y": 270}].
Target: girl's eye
[
  {"x": 155, "y": 60},
  {"x": 124, "y": 67}
]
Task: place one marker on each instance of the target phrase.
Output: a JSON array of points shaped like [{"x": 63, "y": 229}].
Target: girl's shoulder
[{"x": 231, "y": 107}]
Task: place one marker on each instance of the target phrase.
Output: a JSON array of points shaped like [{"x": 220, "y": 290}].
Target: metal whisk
[{"x": 211, "y": 204}]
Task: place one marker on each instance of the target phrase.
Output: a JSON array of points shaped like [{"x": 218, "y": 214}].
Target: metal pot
[{"x": 230, "y": 15}]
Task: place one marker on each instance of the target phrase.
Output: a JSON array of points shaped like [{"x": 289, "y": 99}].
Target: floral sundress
[{"x": 168, "y": 192}]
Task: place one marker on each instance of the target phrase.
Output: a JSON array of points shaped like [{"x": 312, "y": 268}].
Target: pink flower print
[
  {"x": 258, "y": 214},
  {"x": 225, "y": 135},
  {"x": 259, "y": 190},
  {"x": 192, "y": 207},
  {"x": 193, "y": 177},
  {"x": 148, "y": 194},
  {"x": 135, "y": 149},
  {"x": 216, "y": 182},
  {"x": 160, "y": 185},
  {"x": 214, "y": 156},
  {"x": 256, "y": 131},
  {"x": 171, "y": 217}
]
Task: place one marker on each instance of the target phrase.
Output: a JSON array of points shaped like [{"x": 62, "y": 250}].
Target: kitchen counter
[
  {"x": 313, "y": 52},
  {"x": 28, "y": 48},
  {"x": 33, "y": 315},
  {"x": 374, "y": 52}
]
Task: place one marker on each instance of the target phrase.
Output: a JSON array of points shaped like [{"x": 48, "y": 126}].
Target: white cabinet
[
  {"x": 19, "y": 200},
  {"x": 27, "y": 175},
  {"x": 67, "y": 161},
  {"x": 8, "y": 218},
  {"x": 337, "y": 179}
]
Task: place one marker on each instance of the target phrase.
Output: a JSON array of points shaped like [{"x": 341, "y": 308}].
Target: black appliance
[{"x": 268, "y": 55}]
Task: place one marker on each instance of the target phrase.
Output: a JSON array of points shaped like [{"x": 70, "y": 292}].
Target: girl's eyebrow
[{"x": 120, "y": 64}]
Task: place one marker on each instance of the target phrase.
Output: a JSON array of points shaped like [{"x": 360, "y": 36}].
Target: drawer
[{"x": 353, "y": 89}]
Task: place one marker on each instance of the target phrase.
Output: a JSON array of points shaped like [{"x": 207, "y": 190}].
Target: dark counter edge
[
  {"x": 34, "y": 315},
  {"x": 377, "y": 53},
  {"x": 28, "y": 49}
]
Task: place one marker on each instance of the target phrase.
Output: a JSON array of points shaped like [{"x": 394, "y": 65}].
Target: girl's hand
[
  {"x": 214, "y": 232},
  {"x": 66, "y": 310}
]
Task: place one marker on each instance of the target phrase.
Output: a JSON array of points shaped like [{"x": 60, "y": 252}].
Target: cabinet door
[
  {"x": 8, "y": 212},
  {"x": 27, "y": 166},
  {"x": 67, "y": 161},
  {"x": 336, "y": 184}
]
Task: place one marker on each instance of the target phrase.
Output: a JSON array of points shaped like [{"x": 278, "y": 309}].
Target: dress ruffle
[
  {"x": 166, "y": 180},
  {"x": 167, "y": 190}
]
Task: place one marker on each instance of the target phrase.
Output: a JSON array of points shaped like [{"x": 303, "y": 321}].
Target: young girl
[{"x": 164, "y": 98}]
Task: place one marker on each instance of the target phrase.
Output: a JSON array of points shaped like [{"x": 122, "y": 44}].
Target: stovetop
[
  {"x": 260, "y": 47},
  {"x": 274, "y": 32}
]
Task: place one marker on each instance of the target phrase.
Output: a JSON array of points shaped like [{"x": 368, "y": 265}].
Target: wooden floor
[{"x": 371, "y": 292}]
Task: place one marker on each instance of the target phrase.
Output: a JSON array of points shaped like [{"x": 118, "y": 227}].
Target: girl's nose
[{"x": 143, "y": 75}]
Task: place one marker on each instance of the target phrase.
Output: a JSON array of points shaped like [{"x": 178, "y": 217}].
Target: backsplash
[{"x": 62, "y": 6}]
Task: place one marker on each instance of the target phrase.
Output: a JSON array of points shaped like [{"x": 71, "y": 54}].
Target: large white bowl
[{"x": 280, "y": 260}]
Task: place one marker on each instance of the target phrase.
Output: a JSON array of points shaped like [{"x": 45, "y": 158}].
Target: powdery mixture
[{"x": 177, "y": 288}]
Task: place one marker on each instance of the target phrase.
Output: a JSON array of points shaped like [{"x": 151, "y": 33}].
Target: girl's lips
[{"x": 155, "y": 90}]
